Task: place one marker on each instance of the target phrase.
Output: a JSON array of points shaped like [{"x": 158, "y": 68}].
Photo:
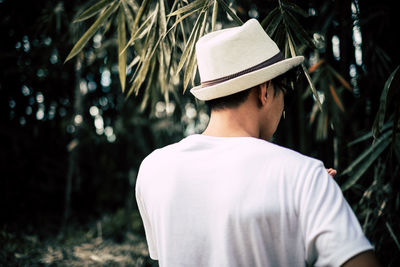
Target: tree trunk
[{"x": 73, "y": 146}]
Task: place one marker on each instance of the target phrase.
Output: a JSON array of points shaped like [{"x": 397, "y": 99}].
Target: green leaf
[
  {"x": 143, "y": 68},
  {"x": 380, "y": 116},
  {"x": 315, "y": 79},
  {"x": 295, "y": 8},
  {"x": 191, "y": 64},
  {"x": 230, "y": 12},
  {"x": 133, "y": 5},
  {"x": 181, "y": 18},
  {"x": 134, "y": 62},
  {"x": 375, "y": 152},
  {"x": 93, "y": 10},
  {"x": 269, "y": 17},
  {"x": 139, "y": 14},
  {"x": 292, "y": 47},
  {"x": 171, "y": 61},
  {"x": 214, "y": 15},
  {"x": 322, "y": 126},
  {"x": 188, "y": 8},
  {"x": 367, "y": 152},
  {"x": 190, "y": 44},
  {"x": 273, "y": 25},
  {"x": 392, "y": 234},
  {"x": 339, "y": 77},
  {"x": 314, "y": 91},
  {"x": 189, "y": 71},
  {"x": 143, "y": 29},
  {"x": 121, "y": 46},
  {"x": 92, "y": 30},
  {"x": 301, "y": 34},
  {"x": 150, "y": 81},
  {"x": 280, "y": 37},
  {"x": 128, "y": 14},
  {"x": 162, "y": 22},
  {"x": 369, "y": 134}
]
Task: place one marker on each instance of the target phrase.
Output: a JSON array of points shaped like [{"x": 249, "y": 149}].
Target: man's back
[{"x": 242, "y": 201}]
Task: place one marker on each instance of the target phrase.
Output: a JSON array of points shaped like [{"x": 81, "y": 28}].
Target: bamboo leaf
[
  {"x": 280, "y": 37},
  {"x": 367, "y": 152},
  {"x": 322, "y": 125},
  {"x": 143, "y": 29},
  {"x": 291, "y": 45},
  {"x": 190, "y": 44},
  {"x": 134, "y": 6},
  {"x": 93, "y": 10},
  {"x": 295, "y": 8},
  {"x": 189, "y": 71},
  {"x": 121, "y": 46},
  {"x": 230, "y": 12},
  {"x": 107, "y": 24},
  {"x": 183, "y": 31},
  {"x": 188, "y": 8},
  {"x": 341, "y": 79},
  {"x": 380, "y": 116},
  {"x": 161, "y": 65},
  {"x": 314, "y": 67},
  {"x": 181, "y": 18},
  {"x": 315, "y": 79},
  {"x": 139, "y": 14},
  {"x": 191, "y": 64},
  {"x": 144, "y": 65},
  {"x": 134, "y": 62},
  {"x": 314, "y": 91},
  {"x": 148, "y": 85},
  {"x": 295, "y": 26},
  {"x": 139, "y": 33},
  {"x": 269, "y": 17},
  {"x": 314, "y": 112},
  {"x": 396, "y": 118},
  {"x": 369, "y": 134},
  {"x": 336, "y": 98},
  {"x": 172, "y": 55},
  {"x": 374, "y": 154},
  {"x": 162, "y": 18},
  {"x": 271, "y": 28},
  {"x": 214, "y": 15},
  {"x": 92, "y": 30},
  {"x": 128, "y": 14},
  {"x": 393, "y": 235}
]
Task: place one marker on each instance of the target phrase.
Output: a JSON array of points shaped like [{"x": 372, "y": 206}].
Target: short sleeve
[
  {"x": 147, "y": 225},
  {"x": 331, "y": 231}
]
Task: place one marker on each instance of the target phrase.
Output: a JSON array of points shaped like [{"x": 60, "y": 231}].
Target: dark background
[{"x": 63, "y": 175}]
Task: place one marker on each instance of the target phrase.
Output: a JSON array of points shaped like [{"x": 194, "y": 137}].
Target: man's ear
[{"x": 263, "y": 92}]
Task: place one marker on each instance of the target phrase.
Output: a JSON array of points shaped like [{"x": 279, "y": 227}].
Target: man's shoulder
[
  {"x": 242, "y": 147},
  {"x": 165, "y": 151},
  {"x": 285, "y": 154}
]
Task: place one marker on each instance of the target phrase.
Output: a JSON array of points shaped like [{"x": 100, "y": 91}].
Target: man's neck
[{"x": 232, "y": 123}]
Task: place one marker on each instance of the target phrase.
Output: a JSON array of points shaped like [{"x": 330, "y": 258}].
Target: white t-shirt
[{"x": 241, "y": 201}]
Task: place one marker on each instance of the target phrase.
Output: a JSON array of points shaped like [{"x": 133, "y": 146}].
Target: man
[{"x": 228, "y": 197}]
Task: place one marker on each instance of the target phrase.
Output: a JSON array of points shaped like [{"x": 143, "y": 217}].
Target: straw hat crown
[
  {"x": 238, "y": 58},
  {"x": 229, "y": 51}
]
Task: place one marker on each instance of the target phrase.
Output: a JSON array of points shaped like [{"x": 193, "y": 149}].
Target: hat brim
[{"x": 245, "y": 81}]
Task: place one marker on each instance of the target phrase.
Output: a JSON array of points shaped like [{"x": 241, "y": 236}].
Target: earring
[{"x": 284, "y": 114}]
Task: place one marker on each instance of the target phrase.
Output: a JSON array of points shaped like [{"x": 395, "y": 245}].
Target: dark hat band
[{"x": 278, "y": 57}]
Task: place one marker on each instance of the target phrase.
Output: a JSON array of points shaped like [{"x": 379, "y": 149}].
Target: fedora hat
[{"x": 235, "y": 59}]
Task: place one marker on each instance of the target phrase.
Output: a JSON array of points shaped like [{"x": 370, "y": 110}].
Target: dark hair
[
  {"x": 286, "y": 81},
  {"x": 232, "y": 101}
]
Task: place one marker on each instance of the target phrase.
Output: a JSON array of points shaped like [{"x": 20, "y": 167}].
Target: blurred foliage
[
  {"x": 114, "y": 240},
  {"x": 72, "y": 141}
]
